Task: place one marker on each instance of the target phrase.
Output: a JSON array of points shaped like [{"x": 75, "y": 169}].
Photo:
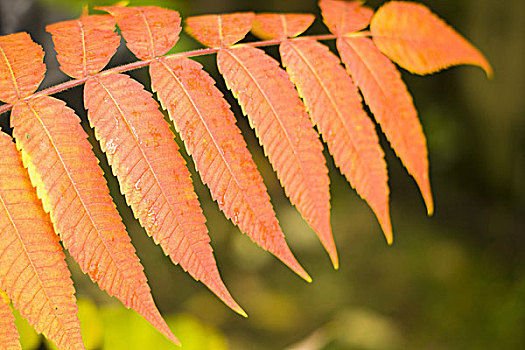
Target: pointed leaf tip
[
  {"x": 335, "y": 262},
  {"x": 241, "y": 312},
  {"x": 335, "y": 106},
  {"x": 127, "y": 120},
  {"x": 423, "y": 182},
  {"x": 173, "y": 338},
  {"x": 429, "y": 201},
  {"x": 307, "y": 277},
  {"x": 334, "y": 258},
  {"x": 383, "y": 216},
  {"x": 421, "y": 42},
  {"x": 283, "y": 253}
]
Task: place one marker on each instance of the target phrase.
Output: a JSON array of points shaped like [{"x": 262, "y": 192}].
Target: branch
[{"x": 139, "y": 64}]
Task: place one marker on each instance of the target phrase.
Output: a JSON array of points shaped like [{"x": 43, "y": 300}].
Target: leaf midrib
[
  {"x": 221, "y": 153},
  {"x": 332, "y": 102},
  {"x": 109, "y": 251},
  {"x": 276, "y": 115},
  {"x": 21, "y": 241},
  {"x": 150, "y": 168},
  {"x": 11, "y": 72}
]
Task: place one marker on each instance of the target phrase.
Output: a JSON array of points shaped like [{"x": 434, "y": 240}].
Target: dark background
[{"x": 451, "y": 281}]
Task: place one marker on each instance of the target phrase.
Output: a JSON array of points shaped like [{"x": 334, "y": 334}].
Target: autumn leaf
[
  {"x": 19, "y": 77},
  {"x": 279, "y": 118},
  {"x": 281, "y": 25},
  {"x": 84, "y": 46},
  {"x": 149, "y": 31},
  {"x": 152, "y": 174},
  {"x": 33, "y": 270},
  {"x": 219, "y": 30},
  {"x": 389, "y": 100},
  {"x": 70, "y": 183},
  {"x": 207, "y": 127},
  {"x": 420, "y": 41},
  {"x": 336, "y": 108},
  {"x": 343, "y": 17}
]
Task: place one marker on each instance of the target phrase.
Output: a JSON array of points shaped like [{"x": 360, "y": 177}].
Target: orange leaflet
[
  {"x": 70, "y": 183},
  {"x": 149, "y": 31},
  {"x": 8, "y": 332},
  {"x": 421, "y": 42},
  {"x": 269, "y": 99},
  {"x": 33, "y": 270},
  {"x": 388, "y": 99},
  {"x": 336, "y": 108},
  {"x": 152, "y": 174},
  {"x": 281, "y": 25},
  {"x": 219, "y": 30},
  {"x": 21, "y": 67},
  {"x": 84, "y": 46},
  {"x": 207, "y": 127},
  {"x": 343, "y": 17}
]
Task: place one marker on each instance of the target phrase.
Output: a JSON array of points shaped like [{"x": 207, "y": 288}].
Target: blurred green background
[{"x": 452, "y": 281}]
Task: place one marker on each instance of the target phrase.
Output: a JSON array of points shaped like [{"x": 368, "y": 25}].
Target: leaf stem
[{"x": 140, "y": 64}]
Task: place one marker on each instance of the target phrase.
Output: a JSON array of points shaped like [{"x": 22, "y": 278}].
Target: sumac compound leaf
[
  {"x": 152, "y": 174},
  {"x": 269, "y": 99},
  {"x": 336, "y": 108},
  {"x": 62, "y": 193},
  {"x": 219, "y": 30},
  {"x": 149, "y": 31},
  {"x": 84, "y": 46},
  {"x": 207, "y": 127},
  {"x": 63, "y": 168},
  {"x": 33, "y": 270},
  {"x": 21, "y": 66},
  {"x": 419, "y": 41},
  {"x": 388, "y": 99}
]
